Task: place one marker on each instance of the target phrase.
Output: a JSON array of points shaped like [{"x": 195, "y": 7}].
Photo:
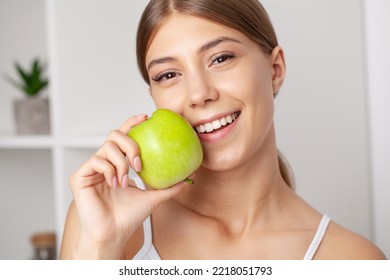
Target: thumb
[{"x": 157, "y": 197}]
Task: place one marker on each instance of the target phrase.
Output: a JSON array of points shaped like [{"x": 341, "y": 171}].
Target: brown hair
[{"x": 246, "y": 16}]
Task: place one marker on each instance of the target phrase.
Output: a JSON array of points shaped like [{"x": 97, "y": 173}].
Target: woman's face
[{"x": 220, "y": 81}]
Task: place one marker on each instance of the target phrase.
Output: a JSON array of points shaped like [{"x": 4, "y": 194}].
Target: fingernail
[
  {"x": 142, "y": 116},
  {"x": 137, "y": 164},
  {"x": 125, "y": 181},
  {"x": 115, "y": 182}
]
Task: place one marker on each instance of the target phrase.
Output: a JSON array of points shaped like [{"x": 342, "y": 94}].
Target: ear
[{"x": 278, "y": 69}]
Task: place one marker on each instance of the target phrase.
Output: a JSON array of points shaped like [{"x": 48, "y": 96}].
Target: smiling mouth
[{"x": 217, "y": 124}]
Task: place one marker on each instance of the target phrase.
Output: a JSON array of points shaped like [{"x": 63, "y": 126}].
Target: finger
[
  {"x": 112, "y": 153},
  {"x": 127, "y": 146},
  {"x": 131, "y": 122},
  {"x": 95, "y": 165},
  {"x": 159, "y": 196}
]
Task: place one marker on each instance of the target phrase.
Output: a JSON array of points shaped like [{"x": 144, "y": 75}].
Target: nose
[{"x": 200, "y": 90}]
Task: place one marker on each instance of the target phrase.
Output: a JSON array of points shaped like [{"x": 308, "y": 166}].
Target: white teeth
[
  {"x": 229, "y": 119},
  {"x": 209, "y": 127},
  {"x": 216, "y": 124}
]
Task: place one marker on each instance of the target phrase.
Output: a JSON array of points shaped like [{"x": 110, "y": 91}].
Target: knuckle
[
  {"x": 109, "y": 144},
  {"x": 94, "y": 159},
  {"x": 114, "y": 134}
]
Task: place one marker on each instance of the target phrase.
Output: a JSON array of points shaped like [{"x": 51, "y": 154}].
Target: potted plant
[{"x": 31, "y": 113}]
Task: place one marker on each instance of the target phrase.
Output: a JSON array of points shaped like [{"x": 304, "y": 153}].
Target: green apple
[{"x": 170, "y": 149}]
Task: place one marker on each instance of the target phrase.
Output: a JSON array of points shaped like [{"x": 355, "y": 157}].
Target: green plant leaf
[
  {"x": 22, "y": 73},
  {"x": 32, "y": 81}
]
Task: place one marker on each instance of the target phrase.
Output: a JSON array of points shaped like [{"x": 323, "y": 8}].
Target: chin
[{"x": 225, "y": 162}]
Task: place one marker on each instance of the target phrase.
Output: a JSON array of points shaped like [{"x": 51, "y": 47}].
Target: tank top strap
[
  {"x": 317, "y": 238},
  {"x": 139, "y": 183},
  {"x": 147, "y": 251}
]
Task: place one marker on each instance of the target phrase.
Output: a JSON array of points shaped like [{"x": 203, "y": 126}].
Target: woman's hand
[{"x": 110, "y": 209}]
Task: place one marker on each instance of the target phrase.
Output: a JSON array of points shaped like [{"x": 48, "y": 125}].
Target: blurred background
[{"x": 332, "y": 116}]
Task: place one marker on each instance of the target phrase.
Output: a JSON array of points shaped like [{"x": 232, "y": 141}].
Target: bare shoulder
[{"x": 340, "y": 243}]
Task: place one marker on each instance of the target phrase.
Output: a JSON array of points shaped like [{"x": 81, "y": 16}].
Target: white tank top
[{"x": 149, "y": 252}]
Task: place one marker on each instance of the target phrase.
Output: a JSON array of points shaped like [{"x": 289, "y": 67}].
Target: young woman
[{"x": 214, "y": 62}]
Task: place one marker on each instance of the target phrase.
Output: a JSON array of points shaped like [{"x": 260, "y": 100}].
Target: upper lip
[{"x": 213, "y": 118}]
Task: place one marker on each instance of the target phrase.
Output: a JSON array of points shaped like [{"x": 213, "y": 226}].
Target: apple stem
[{"x": 189, "y": 181}]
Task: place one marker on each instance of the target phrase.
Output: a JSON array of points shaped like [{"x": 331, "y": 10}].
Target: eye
[
  {"x": 164, "y": 76},
  {"x": 221, "y": 58}
]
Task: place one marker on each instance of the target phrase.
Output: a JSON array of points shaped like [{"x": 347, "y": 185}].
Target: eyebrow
[
  {"x": 160, "y": 61},
  {"x": 216, "y": 42},
  {"x": 204, "y": 48}
]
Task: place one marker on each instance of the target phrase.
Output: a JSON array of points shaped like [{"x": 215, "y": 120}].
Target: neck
[{"x": 241, "y": 197}]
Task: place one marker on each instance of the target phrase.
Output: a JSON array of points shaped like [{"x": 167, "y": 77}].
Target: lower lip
[{"x": 218, "y": 134}]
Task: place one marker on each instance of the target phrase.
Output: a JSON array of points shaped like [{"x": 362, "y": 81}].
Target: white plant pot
[{"x": 32, "y": 116}]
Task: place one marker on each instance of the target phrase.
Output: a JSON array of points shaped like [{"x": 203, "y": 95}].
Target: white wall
[
  {"x": 95, "y": 64},
  {"x": 377, "y": 22},
  {"x": 321, "y": 114}
]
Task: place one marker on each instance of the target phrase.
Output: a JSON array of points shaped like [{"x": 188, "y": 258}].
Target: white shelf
[
  {"x": 85, "y": 142},
  {"x": 49, "y": 142},
  {"x": 26, "y": 142}
]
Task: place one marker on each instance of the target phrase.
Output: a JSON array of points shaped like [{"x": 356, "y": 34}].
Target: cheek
[
  {"x": 168, "y": 99},
  {"x": 257, "y": 96},
  {"x": 251, "y": 84},
  {"x": 260, "y": 78}
]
